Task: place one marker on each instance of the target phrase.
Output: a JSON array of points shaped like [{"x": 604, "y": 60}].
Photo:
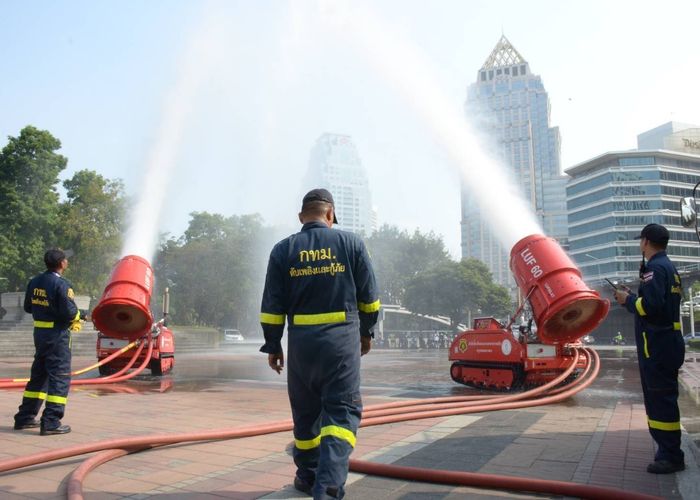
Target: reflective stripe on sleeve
[
  {"x": 319, "y": 319},
  {"x": 272, "y": 319},
  {"x": 640, "y": 308},
  {"x": 677, "y": 325},
  {"x": 664, "y": 426},
  {"x": 369, "y": 308},
  {"x": 43, "y": 324},
  {"x": 34, "y": 395},
  {"x": 61, "y": 400}
]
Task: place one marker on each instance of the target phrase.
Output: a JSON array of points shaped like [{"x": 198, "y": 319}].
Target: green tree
[
  {"x": 397, "y": 257},
  {"x": 215, "y": 271},
  {"x": 29, "y": 169},
  {"x": 457, "y": 290},
  {"x": 91, "y": 224}
]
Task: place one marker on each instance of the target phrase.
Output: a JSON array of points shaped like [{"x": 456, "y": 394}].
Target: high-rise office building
[
  {"x": 510, "y": 107},
  {"x": 335, "y": 164},
  {"x": 612, "y": 196}
]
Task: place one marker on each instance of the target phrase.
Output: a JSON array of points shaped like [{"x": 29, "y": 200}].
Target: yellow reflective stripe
[
  {"x": 329, "y": 430},
  {"x": 43, "y": 324},
  {"x": 61, "y": 400},
  {"x": 340, "y": 433},
  {"x": 677, "y": 325},
  {"x": 369, "y": 308},
  {"x": 640, "y": 308},
  {"x": 272, "y": 319},
  {"x": 34, "y": 395},
  {"x": 319, "y": 319},
  {"x": 664, "y": 426},
  {"x": 308, "y": 443},
  {"x": 646, "y": 347},
  {"x": 77, "y": 316}
]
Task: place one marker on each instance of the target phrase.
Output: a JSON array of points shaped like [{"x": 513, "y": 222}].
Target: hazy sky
[{"x": 100, "y": 76}]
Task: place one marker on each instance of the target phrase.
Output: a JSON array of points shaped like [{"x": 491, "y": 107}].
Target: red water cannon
[
  {"x": 563, "y": 307},
  {"x": 124, "y": 309}
]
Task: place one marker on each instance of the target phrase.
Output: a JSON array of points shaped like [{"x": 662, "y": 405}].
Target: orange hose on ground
[
  {"x": 77, "y": 372},
  {"x": 119, "y": 447},
  {"x": 492, "y": 481}
]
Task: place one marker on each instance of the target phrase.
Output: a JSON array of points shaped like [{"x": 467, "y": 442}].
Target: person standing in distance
[
  {"x": 660, "y": 346},
  {"x": 50, "y": 301},
  {"x": 321, "y": 281}
]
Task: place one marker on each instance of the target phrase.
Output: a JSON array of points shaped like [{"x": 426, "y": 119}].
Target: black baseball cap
[
  {"x": 656, "y": 233},
  {"x": 320, "y": 194},
  {"x": 54, "y": 257}
]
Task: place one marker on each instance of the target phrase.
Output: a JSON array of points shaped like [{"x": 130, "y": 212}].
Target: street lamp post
[{"x": 692, "y": 315}]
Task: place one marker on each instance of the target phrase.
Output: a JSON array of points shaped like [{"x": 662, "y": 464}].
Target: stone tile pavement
[{"x": 606, "y": 446}]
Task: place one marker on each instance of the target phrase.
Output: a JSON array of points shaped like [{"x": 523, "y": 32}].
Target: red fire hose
[{"x": 417, "y": 409}]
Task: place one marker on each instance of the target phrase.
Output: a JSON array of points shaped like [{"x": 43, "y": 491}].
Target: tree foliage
[
  {"x": 215, "y": 271},
  {"x": 398, "y": 257},
  {"x": 29, "y": 169},
  {"x": 457, "y": 290},
  {"x": 91, "y": 224},
  {"x": 33, "y": 219}
]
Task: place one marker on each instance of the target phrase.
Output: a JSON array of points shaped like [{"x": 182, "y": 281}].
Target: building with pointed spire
[
  {"x": 335, "y": 164},
  {"x": 509, "y": 106}
]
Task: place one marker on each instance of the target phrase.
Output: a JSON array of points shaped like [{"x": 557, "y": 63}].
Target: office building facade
[
  {"x": 335, "y": 164},
  {"x": 510, "y": 107},
  {"x": 612, "y": 196}
]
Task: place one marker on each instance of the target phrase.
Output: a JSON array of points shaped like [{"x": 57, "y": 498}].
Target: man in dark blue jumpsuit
[
  {"x": 321, "y": 280},
  {"x": 49, "y": 299},
  {"x": 660, "y": 346}
]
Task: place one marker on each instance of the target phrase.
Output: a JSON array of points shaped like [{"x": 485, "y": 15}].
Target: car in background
[
  {"x": 233, "y": 335},
  {"x": 588, "y": 340}
]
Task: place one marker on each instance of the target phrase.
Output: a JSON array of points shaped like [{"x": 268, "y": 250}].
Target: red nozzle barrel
[
  {"x": 124, "y": 309},
  {"x": 563, "y": 307}
]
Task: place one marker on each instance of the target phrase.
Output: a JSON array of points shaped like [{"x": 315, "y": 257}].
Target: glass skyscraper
[
  {"x": 510, "y": 107},
  {"x": 335, "y": 164}
]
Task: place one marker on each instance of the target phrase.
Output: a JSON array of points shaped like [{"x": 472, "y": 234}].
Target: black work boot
[
  {"x": 665, "y": 467},
  {"x": 26, "y": 425},
  {"x": 303, "y": 486},
  {"x": 61, "y": 429}
]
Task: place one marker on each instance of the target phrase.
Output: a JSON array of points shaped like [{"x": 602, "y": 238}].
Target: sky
[{"x": 231, "y": 96}]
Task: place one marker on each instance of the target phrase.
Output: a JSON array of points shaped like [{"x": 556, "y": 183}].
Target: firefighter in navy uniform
[
  {"x": 49, "y": 299},
  {"x": 321, "y": 281},
  {"x": 660, "y": 346}
]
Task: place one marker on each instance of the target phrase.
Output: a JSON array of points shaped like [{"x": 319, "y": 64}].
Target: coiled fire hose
[{"x": 373, "y": 415}]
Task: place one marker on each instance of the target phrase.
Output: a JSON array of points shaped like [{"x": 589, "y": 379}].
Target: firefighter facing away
[
  {"x": 49, "y": 299},
  {"x": 321, "y": 281},
  {"x": 660, "y": 346}
]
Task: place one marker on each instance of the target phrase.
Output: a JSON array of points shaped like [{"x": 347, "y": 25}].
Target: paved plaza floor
[{"x": 598, "y": 437}]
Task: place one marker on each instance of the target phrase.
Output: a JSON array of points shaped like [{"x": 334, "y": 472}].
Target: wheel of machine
[{"x": 161, "y": 366}]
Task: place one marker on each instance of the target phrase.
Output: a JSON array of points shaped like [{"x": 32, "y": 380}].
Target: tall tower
[
  {"x": 334, "y": 164},
  {"x": 510, "y": 107}
]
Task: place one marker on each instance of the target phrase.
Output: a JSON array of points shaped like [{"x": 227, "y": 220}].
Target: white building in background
[{"x": 335, "y": 164}]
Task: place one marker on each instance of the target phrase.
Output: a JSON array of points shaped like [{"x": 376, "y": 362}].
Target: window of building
[
  {"x": 642, "y": 160},
  {"x": 522, "y": 69},
  {"x": 515, "y": 71},
  {"x": 483, "y": 76}
]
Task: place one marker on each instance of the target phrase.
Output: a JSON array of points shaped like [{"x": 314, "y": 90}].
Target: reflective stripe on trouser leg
[
  {"x": 35, "y": 390},
  {"x": 339, "y": 422},
  {"x": 306, "y": 412},
  {"x": 663, "y": 415},
  {"x": 58, "y": 362}
]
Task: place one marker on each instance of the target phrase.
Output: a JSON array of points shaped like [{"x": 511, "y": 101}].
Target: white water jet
[
  {"x": 196, "y": 64},
  {"x": 407, "y": 69}
]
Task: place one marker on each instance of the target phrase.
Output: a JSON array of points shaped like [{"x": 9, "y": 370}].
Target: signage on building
[{"x": 689, "y": 143}]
